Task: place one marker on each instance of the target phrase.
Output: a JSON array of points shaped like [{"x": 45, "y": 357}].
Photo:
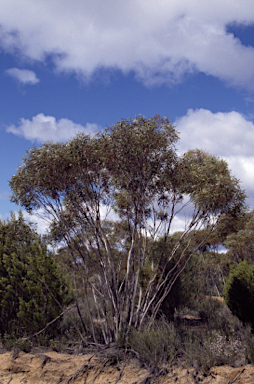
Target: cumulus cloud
[
  {"x": 43, "y": 221},
  {"x": 178, "y": 224},
  {"x": 223, "y": 134},
  {"x": 227, "y": 135},
  {"x": 159, "y": 40},
  {"x": 42, "y": 225},
  {"x": 46, "y": 128},
  {"x": 24, "y": 76},
  {"x": 108, "y": 213}
]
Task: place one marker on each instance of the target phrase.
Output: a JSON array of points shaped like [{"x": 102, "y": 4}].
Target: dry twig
[
  {"x": 9, "y": 373},
  {"x": 81, "y": 369},
  {"x": 51, "y": 322},
  {"x": 96, "y": 374},
  {"x": 232, "y": 381},
  {"x": 121, "y": 374}
]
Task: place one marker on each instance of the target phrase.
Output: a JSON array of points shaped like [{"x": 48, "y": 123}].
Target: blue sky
[{"x": 83, "y": 65}]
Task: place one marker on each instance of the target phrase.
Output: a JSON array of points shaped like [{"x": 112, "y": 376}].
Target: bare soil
[{"x": 52, "y": 367}]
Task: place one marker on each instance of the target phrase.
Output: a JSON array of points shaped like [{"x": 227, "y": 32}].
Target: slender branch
[
  {"x": 235, "y": 378},
  {"x": 51, "y": 322}
]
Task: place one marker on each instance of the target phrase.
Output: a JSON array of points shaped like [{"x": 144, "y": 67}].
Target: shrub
[
  {"x": 239, "y": 292},
  {"x": 222, "y": 350},
  {"x": 155, "y": 346},
  {"x": 203, "y": 349},
  {"x": 29, "y": 278}
]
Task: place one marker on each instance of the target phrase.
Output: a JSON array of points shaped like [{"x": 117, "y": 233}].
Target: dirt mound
[{"x": 54, "y": 368}]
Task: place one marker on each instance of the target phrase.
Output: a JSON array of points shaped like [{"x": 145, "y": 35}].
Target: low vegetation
[
  {"x": 239, "y": 292},
  {"x": 33, "y": 289}
]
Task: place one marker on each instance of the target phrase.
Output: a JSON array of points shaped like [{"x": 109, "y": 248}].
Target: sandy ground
[{"x": 53, "y": 367}]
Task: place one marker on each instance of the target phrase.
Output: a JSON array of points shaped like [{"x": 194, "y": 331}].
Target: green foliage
[
  {"x": 221, "y": 339},
  {"x": 247, "y": 338},
  {"x": 212, "y": 187},
  {"x": 239, "y": 292},
  {"x": 205, "y": 350},
  {"x": 133, "y": 168},
  {"x": 28, "y": 279},
  {"x": 241, "y": 243},
  {"x": 180, "y": 292},
  {"x": 155, "y": 346},
  {"x": 209, "y": 268}
]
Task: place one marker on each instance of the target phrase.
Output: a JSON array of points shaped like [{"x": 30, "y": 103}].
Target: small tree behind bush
[{"x": 239, "y": 292}]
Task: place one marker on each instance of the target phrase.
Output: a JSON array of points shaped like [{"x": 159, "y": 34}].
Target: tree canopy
[
  {"x": 241, "y": 243},
  {"x": 132, "y": 169}
]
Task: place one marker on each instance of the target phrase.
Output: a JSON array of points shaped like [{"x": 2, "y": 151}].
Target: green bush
[
  {"x": 32, "y": 287},
  {"x": 221, "y": 339},
  {"x": 204, "y": 350},
  {"x": 156, "y": 346},
  {"x": 239, "y": 292}
]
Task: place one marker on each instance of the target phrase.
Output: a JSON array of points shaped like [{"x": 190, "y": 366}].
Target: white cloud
[
  {"x": 42, "y": 225},
  {"x": 223, "y": 134},
  {"x": 24, "y": 76},
  {"x": 159, "y": 40},
  {"x": 47, "y": 128},
  {"x": 108, "y": 213},
  {"x": 178, "y": 225},
  {"x": 243, "y": 168},
  {"x": 42, "y": 220},
  {"x": 227, "y": 135}
]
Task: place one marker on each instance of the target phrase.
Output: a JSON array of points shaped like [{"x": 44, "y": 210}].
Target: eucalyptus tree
[
  {"x": 241, "y": 244},
  {"x": 134, "y": 170}
]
